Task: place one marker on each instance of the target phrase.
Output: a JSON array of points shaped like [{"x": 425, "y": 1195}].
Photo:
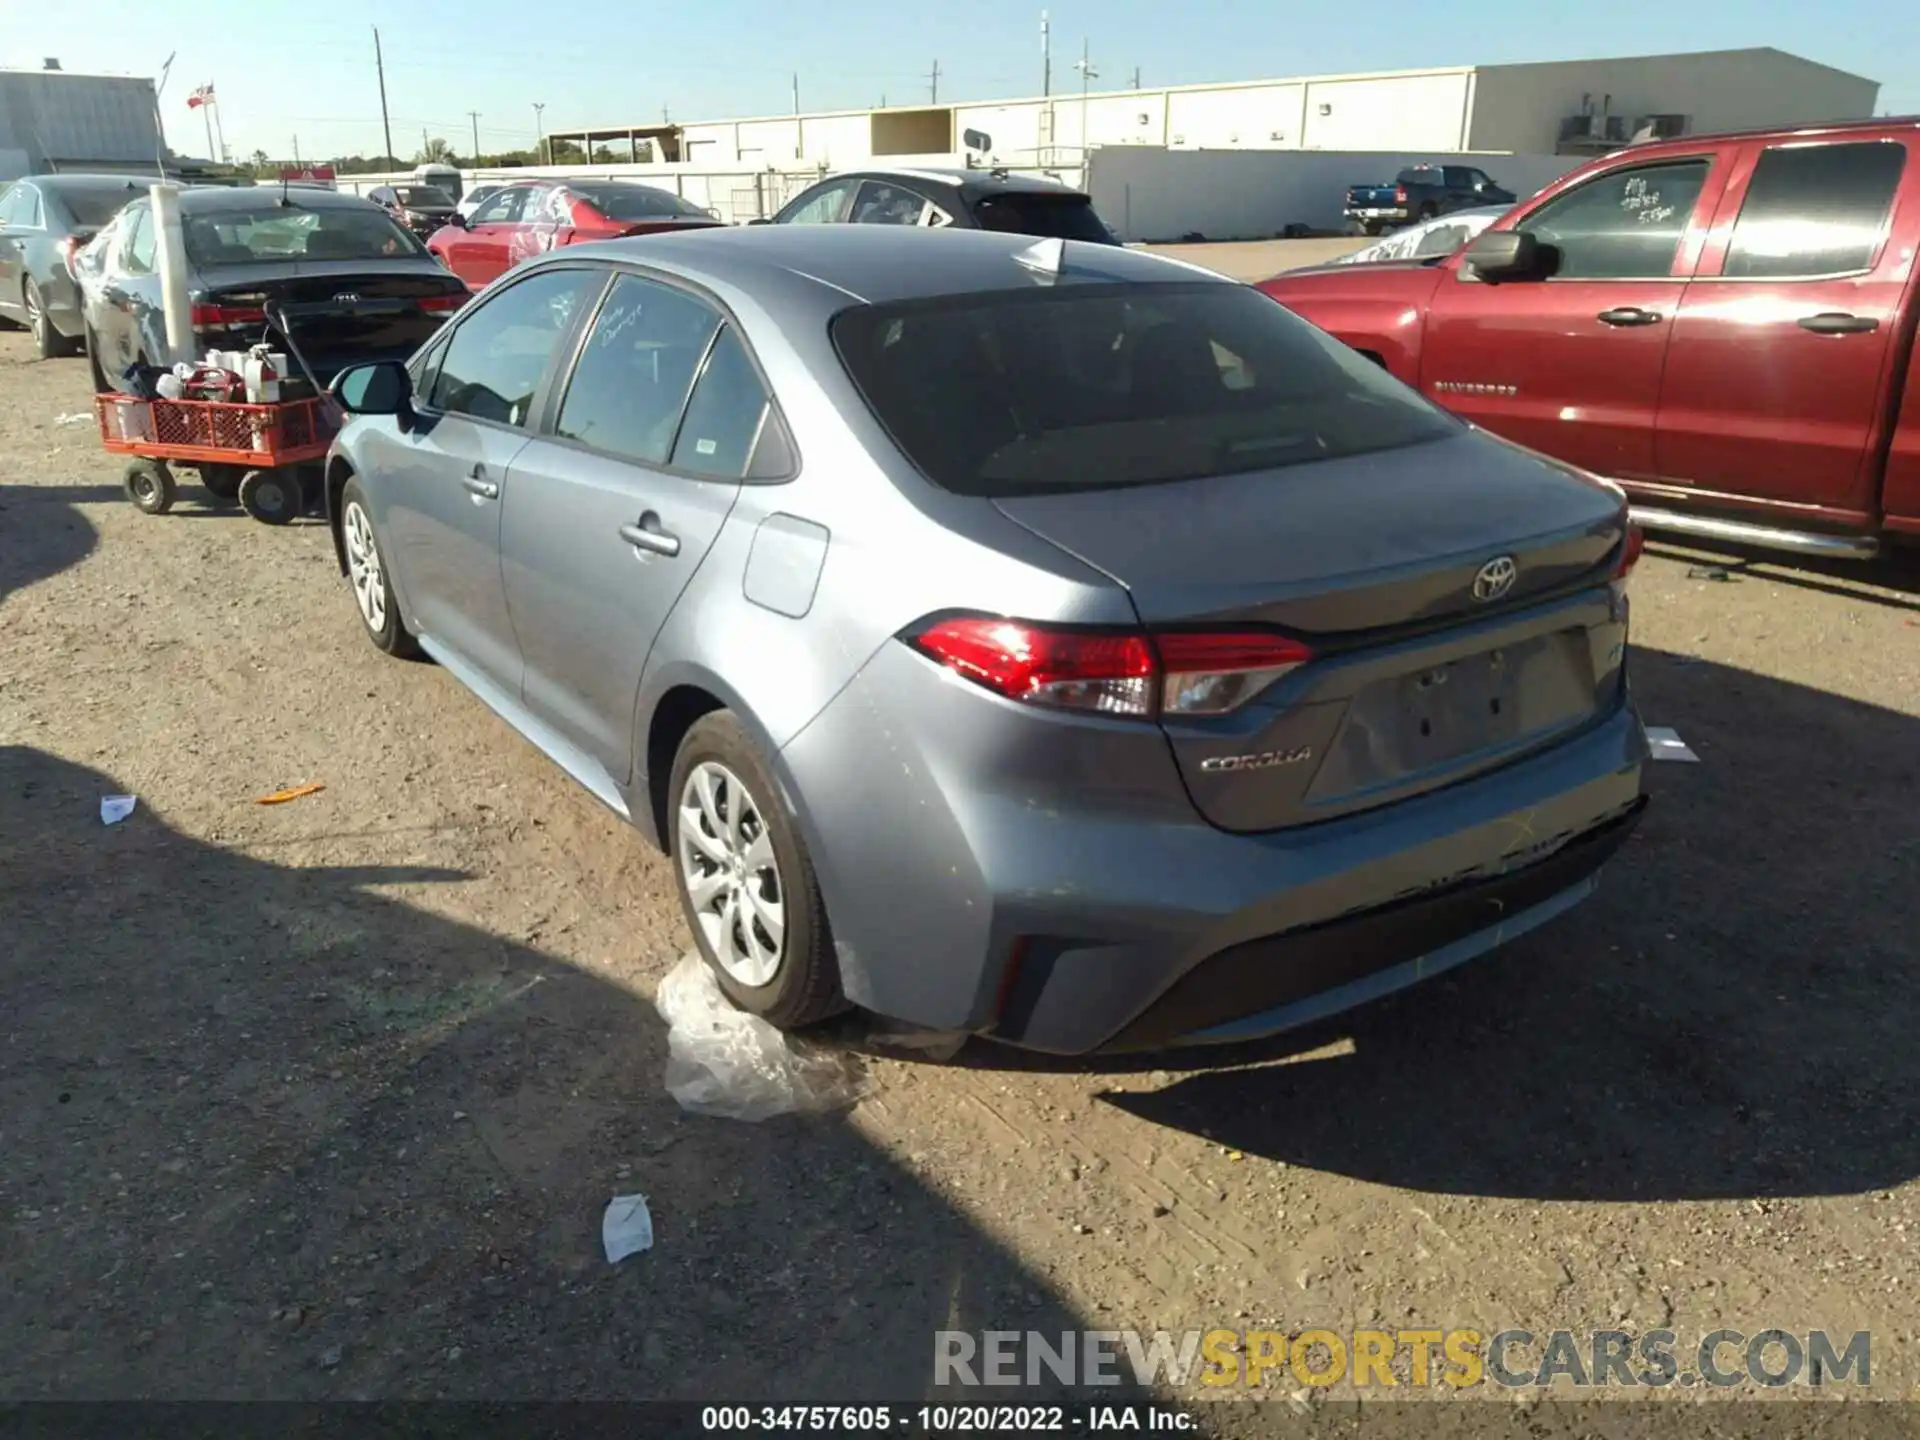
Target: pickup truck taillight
[{"x": 1399, "y": 194}]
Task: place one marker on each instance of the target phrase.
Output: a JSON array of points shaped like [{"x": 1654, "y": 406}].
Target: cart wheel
[
  {"x": 271, "y": 496},
  {"x": 222, "y": 481},
  {"x": 149, "y": 486}
]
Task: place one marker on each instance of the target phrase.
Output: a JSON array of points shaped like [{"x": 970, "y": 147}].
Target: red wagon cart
[{"x": 265, "y": 456}]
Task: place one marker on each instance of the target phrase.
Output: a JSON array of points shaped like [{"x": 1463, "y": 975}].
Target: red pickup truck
[{"x": 1722, "y": 324}]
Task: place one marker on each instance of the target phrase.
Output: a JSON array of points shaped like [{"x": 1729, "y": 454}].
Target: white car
[
  {"x": 1439, "y": 236},
  {"x": 470, "y": 201}
]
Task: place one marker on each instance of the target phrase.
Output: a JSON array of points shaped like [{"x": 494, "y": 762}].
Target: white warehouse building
[{"x": 1567, "y": 107}]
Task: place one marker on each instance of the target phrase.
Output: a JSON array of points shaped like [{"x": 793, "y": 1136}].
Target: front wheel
[
  {"x": 367, "y": 571},
  {"x": 272, "y": 497},
  {"x": 745, "y": 880}
]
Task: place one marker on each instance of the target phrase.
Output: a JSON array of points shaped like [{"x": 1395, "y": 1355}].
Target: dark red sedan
[{"x": 531, "y": 218}]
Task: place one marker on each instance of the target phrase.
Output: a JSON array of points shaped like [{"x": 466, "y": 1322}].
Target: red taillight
[
  {"x": 1112, "y": 672},
  {"x": 1399, "y": 194},
  {"x": 439, "y": 304},
  {"x": 221, "y": 317},
  {"x": 1630, "y": 549}
]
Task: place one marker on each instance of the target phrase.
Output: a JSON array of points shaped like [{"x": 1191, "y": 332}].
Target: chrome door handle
[
  {"x": 482, "y": 489},
  {"x": 648, "y": 535},
  {"x": 1836, "y": 322},
  {"x": 1628, "y": 315}
]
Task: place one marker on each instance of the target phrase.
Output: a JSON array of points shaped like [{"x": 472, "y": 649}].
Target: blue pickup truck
[{"x": 1420, "y": 192}]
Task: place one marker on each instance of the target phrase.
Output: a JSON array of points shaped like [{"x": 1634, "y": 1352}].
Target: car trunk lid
[
  {"x": 341, "y": 312},
  {"x": 1450, "y": 592}
]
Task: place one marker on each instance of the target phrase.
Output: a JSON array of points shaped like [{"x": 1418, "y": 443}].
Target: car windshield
[
  {"x": 1070, "y": 217},
  {"x": 419, "y": 196},
  {"x": 1099, "y": 386},
  {"x": 637, "y": 202},
  {"x": 94, "y": 205},
  {"x": 276, "y": 232}
]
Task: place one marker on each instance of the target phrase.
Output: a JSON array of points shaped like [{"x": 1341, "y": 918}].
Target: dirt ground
[{"x": 326, "y": 1099}]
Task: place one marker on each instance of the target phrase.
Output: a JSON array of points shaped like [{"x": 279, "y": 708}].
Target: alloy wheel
[
  {"x": 363, "y": 568},
  {"x": 732, "y": 877}
]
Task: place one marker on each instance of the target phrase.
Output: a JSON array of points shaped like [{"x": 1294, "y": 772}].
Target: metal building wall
[{"x": 67, "y": 121}]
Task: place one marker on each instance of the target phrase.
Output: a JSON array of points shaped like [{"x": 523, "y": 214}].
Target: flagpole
[
  {"x": 219, "y": 130},
  {"x": 206, "y": 106},
  {"x": 160, "y": 122}
]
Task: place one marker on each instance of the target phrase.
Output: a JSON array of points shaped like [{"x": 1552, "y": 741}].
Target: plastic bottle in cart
[{"x": 263, "y": 380}]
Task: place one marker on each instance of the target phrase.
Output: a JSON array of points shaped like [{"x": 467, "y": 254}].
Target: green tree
[{"x": 436, "y": 152}]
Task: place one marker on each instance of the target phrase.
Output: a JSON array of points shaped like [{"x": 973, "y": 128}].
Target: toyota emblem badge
[{"x": 1495, "y": 578}]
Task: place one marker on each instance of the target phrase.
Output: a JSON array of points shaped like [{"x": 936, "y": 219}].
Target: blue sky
[{"x": 601, "y": 62}]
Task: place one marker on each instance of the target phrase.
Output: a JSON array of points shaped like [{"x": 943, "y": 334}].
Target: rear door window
[
  {"x": 630, "y": 385},
  {"x": 1625, "y": 224},
  {"x": 492, "y": 366},
  {"x": 138, "y": 256},
  {"x": 1089, "y": 387},
  {"x": 881, "y": 203},
  {"x": 1815, "y": 210}
]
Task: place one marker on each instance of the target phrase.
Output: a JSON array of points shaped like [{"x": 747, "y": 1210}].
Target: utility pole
[
  {"x": 539, "y": 133},
  {"x": 426, "y": 147},
  {"x": 386, "y": 129},
  {"x": 933, "y": 95},
  {"x": 1136, "y": 77},
  {"x": 1088, "y": 71},
  {"x": 474, "y": 115},
  {"x": 1046, "y": 57},
  {"x": 296, "y": 150},
  {"x": 796, "y": 92}
]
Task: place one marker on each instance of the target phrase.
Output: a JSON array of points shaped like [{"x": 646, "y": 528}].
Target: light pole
[{"x": 539, "y": 133}]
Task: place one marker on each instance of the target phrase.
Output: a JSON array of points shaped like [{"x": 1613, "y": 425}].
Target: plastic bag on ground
[{"x": 723, "y": 1061}]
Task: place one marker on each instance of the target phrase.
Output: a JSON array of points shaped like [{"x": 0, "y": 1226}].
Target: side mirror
[
  {"x": 381, "y": 388},
  {"x": 457, "y": 220},
  {"x": 1505, "y": 255}
]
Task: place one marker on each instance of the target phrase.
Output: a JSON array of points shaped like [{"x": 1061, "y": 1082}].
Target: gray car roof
[
  {"x": 880, "y": 264},
  {"x": 258, "y": 197}
]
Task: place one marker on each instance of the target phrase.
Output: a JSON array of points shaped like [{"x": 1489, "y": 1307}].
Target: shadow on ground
[
  {"x": 278, "y": 1133},
  {"x": 1732, "y": 1016},
  {"x": 42, "y": 534},
  {"x": 1891, "y": 580}
]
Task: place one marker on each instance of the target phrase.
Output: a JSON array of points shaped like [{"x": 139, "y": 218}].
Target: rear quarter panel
[{"x": 1379, "y": 310}]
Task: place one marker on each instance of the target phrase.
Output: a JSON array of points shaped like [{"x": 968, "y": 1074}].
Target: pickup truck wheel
[{"x": 1429, "y": 211}]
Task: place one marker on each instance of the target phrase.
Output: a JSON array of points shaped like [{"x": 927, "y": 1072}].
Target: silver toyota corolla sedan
[{"x": 1044, "y": 640}]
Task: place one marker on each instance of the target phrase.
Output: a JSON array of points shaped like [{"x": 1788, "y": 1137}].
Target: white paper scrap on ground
[
  {"x": 723, "y": 1061},
  {"x": 78, "y": 418},
  {"x": 627, "y": 1227},
  {"x": 115, "y": 808},
  {"x": 1667, "y": 745}
]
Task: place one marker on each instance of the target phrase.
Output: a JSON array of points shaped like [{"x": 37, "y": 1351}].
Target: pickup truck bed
[
  {"x": 1420, "y": 192},
  {"x": 1722, "y": 324}
]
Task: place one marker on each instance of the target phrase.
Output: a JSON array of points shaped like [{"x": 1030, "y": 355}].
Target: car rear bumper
[{"x": 1049, "y": 883}]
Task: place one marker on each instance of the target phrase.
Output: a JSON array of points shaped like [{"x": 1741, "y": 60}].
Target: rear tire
[
  {"x": 372, "y": 584},
  {"x": 91, "y": 343},
  {"x": 746, "y": 883},
  {"x": 272, "y": 497},
  {"x": 48, "y": 343}
]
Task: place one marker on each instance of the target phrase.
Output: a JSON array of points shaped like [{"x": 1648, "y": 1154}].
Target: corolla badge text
[{"x": 1263, "y": 760}]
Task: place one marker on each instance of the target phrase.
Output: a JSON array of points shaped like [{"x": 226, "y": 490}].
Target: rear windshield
[
  {"x": 1098, "y": 386},
  {"x": 1071, "y": 217},
  {"x": 246, "y": 237},
  {"x": 636, "y": 202},
  {"x": 412, "y": 196},
  {"x": 1420, "y": 175},
  {"x": 92, "y": 206}
]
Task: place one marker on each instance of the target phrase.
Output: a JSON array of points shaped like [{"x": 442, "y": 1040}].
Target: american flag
[{"x": 202, "y": 96}]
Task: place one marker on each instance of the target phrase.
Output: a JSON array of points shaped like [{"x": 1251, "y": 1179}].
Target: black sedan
[
  {"x": 353, "y": 284},
  {"x": 963, "y": 199},
  {"x": 44, "y": 220},
  {"x": 423, "y": 209}
]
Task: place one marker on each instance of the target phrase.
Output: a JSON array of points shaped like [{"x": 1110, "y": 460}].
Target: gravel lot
[{"x": 326, "y": 1099}]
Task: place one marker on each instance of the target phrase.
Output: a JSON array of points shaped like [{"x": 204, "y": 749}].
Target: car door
[
  {"x": 1777, "y": 372},
  {"x": 130, "y": 296},
  {"x": 12, "y": 249},
  {"x": 886, "y": 202},
  {"x": 442, "y": 482},
  {"x": 612, "y": 510},
  {"x": 823, "y": 204},
  {"x": 1569, "y": 363},
  {"x": 546, "y": 223},
  {"x": 478, "y": 254}
]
